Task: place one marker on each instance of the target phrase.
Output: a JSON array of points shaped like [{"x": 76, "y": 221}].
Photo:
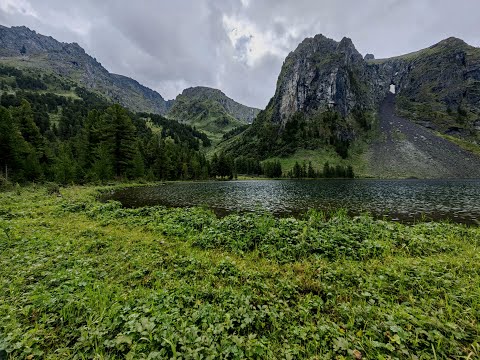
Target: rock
[
  {"x": 369, "y": 57},
  {"x": 476, "y": 125},
  {"x": 321, "y": 73}
]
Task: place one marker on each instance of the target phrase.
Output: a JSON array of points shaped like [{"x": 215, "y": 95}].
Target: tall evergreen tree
[
  {"x": 311, "y": 172},
  {"x": 23, "y": 115},
  {"x": 65, "y": 167},
  {"x": 118, "y": 136},
  {"x": 10, "y": 143}
]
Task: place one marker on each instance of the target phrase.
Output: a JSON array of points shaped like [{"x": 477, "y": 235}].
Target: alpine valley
[
  {"x": 119, "y": 239},
  {"x": 416, "y": 115}
]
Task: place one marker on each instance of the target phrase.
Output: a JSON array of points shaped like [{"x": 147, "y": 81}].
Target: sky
[{"x": 237, "y": 46}]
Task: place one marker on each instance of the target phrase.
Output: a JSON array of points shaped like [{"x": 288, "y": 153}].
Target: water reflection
[{"x": 405, "y": 200}]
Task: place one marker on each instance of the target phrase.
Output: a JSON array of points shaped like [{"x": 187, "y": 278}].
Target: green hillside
[{"x": 211, "y": 111}]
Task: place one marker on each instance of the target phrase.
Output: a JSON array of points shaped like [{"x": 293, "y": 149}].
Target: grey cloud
[{"x": 169, "y": 45}]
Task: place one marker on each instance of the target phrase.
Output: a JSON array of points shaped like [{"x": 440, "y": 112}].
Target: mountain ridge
[
  {"x": 25, "y": 48},
  {"x": 328, "y": 97}
]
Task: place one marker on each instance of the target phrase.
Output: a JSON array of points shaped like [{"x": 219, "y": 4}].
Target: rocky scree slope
[
  {"x": 25, "y": 49},
  {"x": 438, "y": 88},
  {"x": 406, "y": 149}
]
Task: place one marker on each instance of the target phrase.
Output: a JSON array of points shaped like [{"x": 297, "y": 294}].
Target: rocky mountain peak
[
  {"x": 320, "y": 74},
  {"x": 44, "y": 53}
]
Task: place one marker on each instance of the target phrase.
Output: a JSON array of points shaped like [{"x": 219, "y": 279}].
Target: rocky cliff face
[
  {"x": 321, "y": 73},
  {"x": 438, "y": 86},
  {"x": 24, "y": 48}
]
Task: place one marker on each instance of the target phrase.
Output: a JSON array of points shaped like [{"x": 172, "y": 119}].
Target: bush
[{"x": 52, "y": 188}]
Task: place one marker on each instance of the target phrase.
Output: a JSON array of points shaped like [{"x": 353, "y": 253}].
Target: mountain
[
  {"x": 210, "y": 110},
  {"x": 328, "y": 100},
  {"x": 438, "y": 86},
  {"x": 23, "y": 48}
]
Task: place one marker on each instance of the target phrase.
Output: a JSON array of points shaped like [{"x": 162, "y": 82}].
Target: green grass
[
  {"x": 320, "y": 156},
  {"x": 317, "y": 157},
  {"x": 82, "y": 279},
  {"x": 464, "y": 144}
]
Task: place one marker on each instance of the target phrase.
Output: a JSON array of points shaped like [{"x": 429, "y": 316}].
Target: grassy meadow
[{"x": 81, "y": 279}]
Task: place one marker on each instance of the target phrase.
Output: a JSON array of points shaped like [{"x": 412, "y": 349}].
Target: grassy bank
[{"x": 82, "y": 279}]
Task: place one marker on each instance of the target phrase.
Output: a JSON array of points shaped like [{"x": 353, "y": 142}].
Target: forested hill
[
  {"x": 53, "y": 131},
  {"x": 211, "y": 111},
  {"x": 25, "y": 49}
]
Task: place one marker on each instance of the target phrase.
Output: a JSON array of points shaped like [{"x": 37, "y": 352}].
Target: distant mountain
[
  {"x": 210, "y": 110},
  {"x": 328, "y": 98},
  {"x": 25, "y": 49}
]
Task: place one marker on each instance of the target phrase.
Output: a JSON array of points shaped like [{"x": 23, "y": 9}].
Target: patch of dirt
[{"x": 406, "y": 149}]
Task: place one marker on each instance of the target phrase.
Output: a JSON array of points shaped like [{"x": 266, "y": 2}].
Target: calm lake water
[{"x": 400, "y": 200}]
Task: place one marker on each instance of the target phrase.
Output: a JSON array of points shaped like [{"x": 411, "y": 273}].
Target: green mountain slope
[
  {"x": 54, "y": 130},
  {"x": 327, "y": 99},
  {"x": 210, "y": 110},
  {"x": 23, "y": 48}
]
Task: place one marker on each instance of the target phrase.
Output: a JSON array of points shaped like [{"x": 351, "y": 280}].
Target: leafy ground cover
[{"x": 83, "y": 279}]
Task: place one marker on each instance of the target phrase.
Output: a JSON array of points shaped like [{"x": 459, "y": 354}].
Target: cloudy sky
[{"x": 237, "y": 46}]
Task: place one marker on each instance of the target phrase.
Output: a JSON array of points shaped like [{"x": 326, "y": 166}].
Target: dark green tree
[
  {"x": 102, "y": 168},
  {"x": 23, "y": 116},
  {"x": 297, "y": 170},
  {"x": 117, "y": 135},
  {"x": 11, "y": 145},
  {"x": 327, "y": 171},
  {"x": 311, "y": 172},
  {"x": 65, "y": 166}
]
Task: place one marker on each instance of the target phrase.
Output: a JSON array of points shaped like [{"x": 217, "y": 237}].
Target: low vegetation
[{"x": 85, "y": 279}]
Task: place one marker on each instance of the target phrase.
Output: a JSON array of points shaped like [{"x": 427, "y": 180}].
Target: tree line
[
  {"x": 82, "y": 138},
  {"x": 304, "y": 171},
  {"x": 47, "y": 137},
  {"x": 225, "y": 166}
]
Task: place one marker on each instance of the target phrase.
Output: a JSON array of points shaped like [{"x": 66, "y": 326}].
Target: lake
[{"x": 399, "y": 200}]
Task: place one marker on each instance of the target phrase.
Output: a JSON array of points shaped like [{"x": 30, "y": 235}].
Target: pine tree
[
  {"x": 350, "y": 173},
  {"x": 138, "y": 166},
  {"x": 9, "y": 143},
  {"x": 118, "y": 136},
  {"x": 64, "y": 167},
  {"x": 311, "y": 172},
  {"x": 327, "y": 173},
  {"x": 23, "y": 116},
  {"x": 102, "y": 168},
  {"x": 297, "y": 170}
]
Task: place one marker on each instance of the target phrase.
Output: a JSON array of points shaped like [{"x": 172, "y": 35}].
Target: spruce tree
[
  {"x": 311, "y": 172},
  {"x": 64, "y": 166},
  {"x": 11, "y": 143},
  {"x": 23, "y": 116},
  {"x": 118, "y": 136}
]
